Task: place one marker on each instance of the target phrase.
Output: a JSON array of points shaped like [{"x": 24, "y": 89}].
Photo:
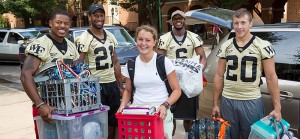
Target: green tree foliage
[
  {"x": 149, "y": 7},
  {"x": 30, "y": 8},
  {"x": 235, "y": 4},
  {"x": 3, "y": 22},
  {"x": 228, "y": 4},
  {"x": 1, "y": 7}
]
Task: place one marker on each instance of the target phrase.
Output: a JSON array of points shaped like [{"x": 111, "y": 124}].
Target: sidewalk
[{"x": 16, "y": 118}]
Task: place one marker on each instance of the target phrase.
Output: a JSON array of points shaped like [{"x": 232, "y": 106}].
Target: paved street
[{"x": 15, "y": 106}]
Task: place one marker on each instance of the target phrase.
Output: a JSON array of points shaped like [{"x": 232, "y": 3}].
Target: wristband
[
  {"x": 40, "y": 105},
  {"x": 166, "y": 105}
]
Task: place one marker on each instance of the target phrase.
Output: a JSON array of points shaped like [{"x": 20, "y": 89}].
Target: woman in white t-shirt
[{"x": 149, "y": 88}]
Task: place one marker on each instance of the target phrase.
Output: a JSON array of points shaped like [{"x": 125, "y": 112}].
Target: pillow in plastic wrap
[
  {"x": 189, "y": 75},
  {"x": 92, "y": 130}
]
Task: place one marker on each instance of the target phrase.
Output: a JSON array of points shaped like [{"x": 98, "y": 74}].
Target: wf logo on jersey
[
  {"x": 37, "y": 48},
  {"x": 80, "y": 47},
  {"x": 270, "y": 50}
]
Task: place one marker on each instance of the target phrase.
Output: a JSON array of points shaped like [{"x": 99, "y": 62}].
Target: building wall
[
  {"x": 128, "y": 19},
  {"x": 13, "y": 21},
  {"x": 293, "y": 12},
  {"x": 125, "y": 18},
  {"x": 266, "y": 11}
]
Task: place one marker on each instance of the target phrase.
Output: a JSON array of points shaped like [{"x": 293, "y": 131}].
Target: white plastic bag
[{"x": 189, "y": 75}]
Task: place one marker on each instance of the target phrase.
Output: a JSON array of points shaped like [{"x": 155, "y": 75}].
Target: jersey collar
[
  {"x": 100, "y": 40},
  {"x": 179, "y": 42},
  {"x": 241, "y": 49}
]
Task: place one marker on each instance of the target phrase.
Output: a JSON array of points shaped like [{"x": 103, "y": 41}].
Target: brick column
[{"x": 293, "y": 11}]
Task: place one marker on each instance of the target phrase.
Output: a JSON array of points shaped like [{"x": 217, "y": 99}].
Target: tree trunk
[
  {"x": 26, "y": 22},
  {"x": 154, "y": 22}
]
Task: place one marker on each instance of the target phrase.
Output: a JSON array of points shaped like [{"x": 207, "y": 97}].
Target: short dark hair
[
  {"x": 58, "y": 12},
  {"x": 242, "y": 12}
]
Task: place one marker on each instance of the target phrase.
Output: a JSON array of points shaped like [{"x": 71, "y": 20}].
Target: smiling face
[
  {"x": 242, "y": 26},
  {"x": 145, "y": 42},
  {"x": 97, "y": 19},
  {"x": 60, "y": 25},
  {"x": 178, "y": 22}
]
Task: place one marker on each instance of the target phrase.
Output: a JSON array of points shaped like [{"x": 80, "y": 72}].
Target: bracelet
[
  {"x": 166, "y": 105},
  {"x": 40, "y": 105}
]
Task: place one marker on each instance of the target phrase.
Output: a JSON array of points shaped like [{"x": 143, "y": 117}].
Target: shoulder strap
[
  {"x": 131, "y": 69},
  {"x": 160, "y": 65}
]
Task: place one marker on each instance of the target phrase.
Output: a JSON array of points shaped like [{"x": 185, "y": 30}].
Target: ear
[
  {"x": 89, "y": 17},
  {"x": 50, "y": 23},
  {"x": 251, "y": 23}
]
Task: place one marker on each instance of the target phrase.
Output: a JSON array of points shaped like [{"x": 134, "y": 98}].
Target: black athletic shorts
[
  {"x": 186, "y": 108},
  {"x": 110, "y": 96}
]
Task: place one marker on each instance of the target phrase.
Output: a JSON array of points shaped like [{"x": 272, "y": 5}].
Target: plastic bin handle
[
  {"x": 222, "y": 131},
  {"x": 278, "y": 135},
  {"x": 59, "y": 63}
]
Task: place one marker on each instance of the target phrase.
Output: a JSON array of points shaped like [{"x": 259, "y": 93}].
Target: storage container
[
  {"x": 140, "y": 126},
  {"x": 86, "y": 125},
  {"x": 265, "y": 129},
  {"x": 71, "y": 95}
]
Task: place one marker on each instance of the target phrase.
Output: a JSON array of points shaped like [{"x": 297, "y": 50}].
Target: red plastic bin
[{"x": 140, "y": 126}]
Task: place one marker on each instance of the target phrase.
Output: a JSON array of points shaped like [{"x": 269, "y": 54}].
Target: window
[
  {"x": 287, "y": 48},
  {"x": 2, "y": 36},
  {"x": 29, "y": 34},
  {"x": 13, "y": 38},
  {"x": 122, "y": 36}
]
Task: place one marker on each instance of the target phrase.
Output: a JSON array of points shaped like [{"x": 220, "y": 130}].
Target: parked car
[
  {"x": 42, "y": 30},
  {"x": 285, "y": 40},
  {"x": 10, "y": 40},
  {"x": 127, "y": 46}
]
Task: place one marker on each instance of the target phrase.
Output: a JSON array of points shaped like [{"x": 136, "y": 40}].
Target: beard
[
  {"x": 97, "y": 26},
  {"x": 176, "y": 28}
]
